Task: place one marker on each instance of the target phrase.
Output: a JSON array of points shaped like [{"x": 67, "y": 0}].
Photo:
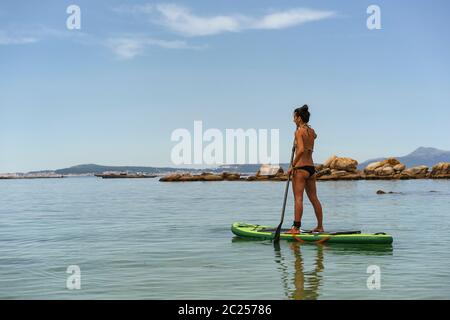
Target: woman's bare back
[{"x": 308, "y": 135}]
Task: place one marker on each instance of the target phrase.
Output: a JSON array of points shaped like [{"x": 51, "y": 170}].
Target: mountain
[
  {"x": 421, "y": 156},
  {"x": 95, "y": 168}
]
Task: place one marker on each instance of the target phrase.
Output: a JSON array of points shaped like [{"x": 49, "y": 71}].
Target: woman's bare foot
[
  {"x": 318, "y": 229},
  {"x": 294, "y": 230}
]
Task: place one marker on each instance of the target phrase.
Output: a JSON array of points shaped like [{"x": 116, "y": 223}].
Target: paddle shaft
[{"x": 278, "y": 231}]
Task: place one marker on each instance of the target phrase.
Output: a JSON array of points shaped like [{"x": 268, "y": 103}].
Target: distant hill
[
  {"x": 95, "y": 168},
  {"x": 421, "y": 156}
]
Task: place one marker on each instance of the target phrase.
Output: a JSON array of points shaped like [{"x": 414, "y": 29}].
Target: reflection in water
[{"x": 306, "y": 284}]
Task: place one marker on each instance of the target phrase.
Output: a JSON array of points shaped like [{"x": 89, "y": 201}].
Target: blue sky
[{"x": 113, "y": 92}]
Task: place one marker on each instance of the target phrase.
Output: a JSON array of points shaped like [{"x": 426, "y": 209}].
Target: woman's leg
[
  {"x": 298, "y": 186},
  {"x": 311, "y": 192}
]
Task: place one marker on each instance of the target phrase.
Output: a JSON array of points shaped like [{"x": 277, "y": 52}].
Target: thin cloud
[
  {"x": 181, "y": 20},
  {"x": 9, "y": 39},
  {"x": 33, "y": 34},
  {"x": 129, "y": 47},
  {"x": 291, "y": 18}
]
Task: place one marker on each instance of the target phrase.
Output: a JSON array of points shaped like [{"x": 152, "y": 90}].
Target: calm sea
[{"x": 142, "y": 239}]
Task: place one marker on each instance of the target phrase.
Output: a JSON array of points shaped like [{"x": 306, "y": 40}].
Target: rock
[
  {"x": 416, "y": 171},
  {"x": 351, "y": 176},
  {"x": 378, "y": 177},
  {"x": 441, "y": 170},
  {"x": 339, "y": 173},
  {"x": 231, "y": 176},
  {"x": 384, "y": 171},
  {"x": 375, "y": 167},
  {"x": 390, "y": 161},
  {"x": 323, "y": 172},
  {"x": 320, "y": 167},
  {"x": 269, "y": 170},
  {"x": 257, "y": 178},
  {"x": 204, "y": 176},
  {"x": 326, "y": 178},
  {"x": 327, "y": 163},
  {"x": 187, "y": 177},
  {"x": 170, "y": 177},
  {"x": 390, "y": 192},
  {"x": 370, "y": 168},
  {"x": 346, "y": 164},
  {"x": 212, "y": 177},
  {"x": 378, "y": 171},
  {"x": 399, "y": 167},
  {"x": 440, "y": 176}
]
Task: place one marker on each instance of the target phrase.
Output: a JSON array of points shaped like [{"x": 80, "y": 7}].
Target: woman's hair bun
[{"x": 303, "y": 113}]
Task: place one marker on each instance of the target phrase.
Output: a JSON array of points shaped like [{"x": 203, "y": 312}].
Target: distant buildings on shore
[
  {"x": 39, "y": 175},
  {"x": 49, "y": 174}
]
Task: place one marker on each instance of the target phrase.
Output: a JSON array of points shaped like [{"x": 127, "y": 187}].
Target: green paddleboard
[{"x": 253, "y": 231}]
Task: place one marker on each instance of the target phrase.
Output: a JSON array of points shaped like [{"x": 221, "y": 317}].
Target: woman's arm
[{"x": 299, "y": 150}]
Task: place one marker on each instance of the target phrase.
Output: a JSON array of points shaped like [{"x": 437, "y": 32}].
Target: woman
[{"x": 304, "y": 172}]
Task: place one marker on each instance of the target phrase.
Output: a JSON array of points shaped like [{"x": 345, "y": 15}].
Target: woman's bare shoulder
[{"x": 308, "y": 131}]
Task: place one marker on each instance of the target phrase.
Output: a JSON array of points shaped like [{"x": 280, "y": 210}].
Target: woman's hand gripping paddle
[{"x": 276, "y": 238}]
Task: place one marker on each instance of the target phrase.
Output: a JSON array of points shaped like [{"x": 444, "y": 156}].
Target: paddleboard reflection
[{"x": 302, "y": 266}]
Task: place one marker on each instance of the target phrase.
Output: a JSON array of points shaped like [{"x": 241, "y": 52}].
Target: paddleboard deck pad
[{"x": 255, "y": 231}]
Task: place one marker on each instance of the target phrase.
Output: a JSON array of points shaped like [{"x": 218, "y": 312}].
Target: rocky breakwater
[
  {"x": 440, "y": 171},
  {"x": 205, "y": 176},
  {"x": 269, "y": 173},
  {"x": 391, "y": 168},
  {"x": 337, "y": 168}
]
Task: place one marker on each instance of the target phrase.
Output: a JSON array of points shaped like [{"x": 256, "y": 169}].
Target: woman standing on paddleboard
[{"x": 303, "y": 170}]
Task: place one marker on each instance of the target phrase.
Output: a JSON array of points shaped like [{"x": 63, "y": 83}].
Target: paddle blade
[{"x": 276, "y": 238}]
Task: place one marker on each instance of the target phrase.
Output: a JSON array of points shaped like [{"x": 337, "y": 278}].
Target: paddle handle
[{"x": 286, "y": 190}]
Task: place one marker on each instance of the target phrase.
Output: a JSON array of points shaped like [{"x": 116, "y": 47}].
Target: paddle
[{"x": 276, "y": 239}]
